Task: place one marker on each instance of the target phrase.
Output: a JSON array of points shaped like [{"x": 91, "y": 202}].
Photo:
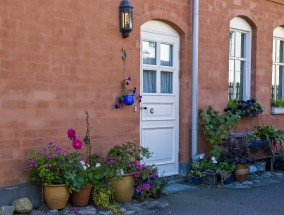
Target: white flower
[
  {"x": 98, "y": 165},
  {"x": 213, "y": 159}
]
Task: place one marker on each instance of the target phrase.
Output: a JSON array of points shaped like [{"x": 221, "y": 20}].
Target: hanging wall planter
[
  {"x": 128, "y": 95},
  {"x": 128, "y": 99}
]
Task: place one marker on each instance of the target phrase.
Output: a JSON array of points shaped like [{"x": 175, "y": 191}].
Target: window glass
[
  {"x": 149, "y": 53},
  {"x": 240, "y": 45},
  {"x": 166, "y": 55},
  {"x": 149, "y": 81},
  {"x": 166, "y": 82},
  {"x": 232, "y": 44}
]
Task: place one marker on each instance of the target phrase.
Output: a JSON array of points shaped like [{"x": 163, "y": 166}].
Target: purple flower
[
  {"x": 31, "y": 160},
  {"x": 127, "y": 83},
  {"x": 136, "y": 174},
  {"x": 26, "y": 168},
  {"x": 138, "y": 189},
  {"x": 143, "y": 168},
  {"x": 134, "y": 90},
  {"x": 145, "y": 180},
  {"x": 113, "y": 159},
  {"x": 129, "y": 78},
  {"x": 57, "y": 150},
  {"x": 129, "y": 165},
  {"x": 51, "y": 156},
  {"x": 48, "y": 165},
  {"x": 116, "y": 106},
  {"x": 71, "y": 134},
  {"x": 52, "y": 144},
  {"x": 146, "y": 186}
]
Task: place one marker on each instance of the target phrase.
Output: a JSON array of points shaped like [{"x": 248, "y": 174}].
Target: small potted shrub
[
  {"x": 196, "y": 172},
  {"x": 237, "y": 154},
  {"x": 147, "y": 182},
  {"x": 47, "y": 167},
  {"x": 119, "y": 170}
]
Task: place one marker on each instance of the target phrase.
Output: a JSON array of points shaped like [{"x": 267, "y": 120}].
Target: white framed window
[
  {"x": 278, "y": 64},
  {"x": 239, "y": 59}
]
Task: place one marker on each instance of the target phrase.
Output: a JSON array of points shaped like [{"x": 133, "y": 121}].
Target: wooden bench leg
[{"x": 271, "y": 164}]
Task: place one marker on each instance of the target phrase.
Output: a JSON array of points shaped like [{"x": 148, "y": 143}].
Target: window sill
[{"x": 277, "y": 110}]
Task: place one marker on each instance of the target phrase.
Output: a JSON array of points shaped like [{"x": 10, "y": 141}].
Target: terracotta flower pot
[
  {"x": 56, "y": 196},
  {"x": 124, "y": 187},
  {"x": 242, "y": 172},
  {"x": 82, "y": 197}
]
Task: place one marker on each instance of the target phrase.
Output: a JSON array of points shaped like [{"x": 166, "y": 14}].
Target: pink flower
[
  {"x": 71, "y": 134},
  {"x": 143, "y": 168},
  {"x": 136, "y": 174},
  {"x": 137, "y": 165},
  {"x": 77, "y": 144},
  {"x": 146, "y": 186},
  {"x": 138, "y": 189}
]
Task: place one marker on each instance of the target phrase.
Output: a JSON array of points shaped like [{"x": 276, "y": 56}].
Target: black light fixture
[{"x": 125, "y": 18}]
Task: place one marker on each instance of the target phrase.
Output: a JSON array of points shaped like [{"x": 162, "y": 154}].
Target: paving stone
[
  {"x": 89, "y": 210},
  {"x": 53, "y": 212},
  {"x": 7, "y": 210},
  {"x": 247, "y": 182},
  {"x": 256, "y": 181}
]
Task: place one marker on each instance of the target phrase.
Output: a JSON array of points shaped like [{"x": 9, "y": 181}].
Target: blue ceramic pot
[
  {"x": 196, "y": 180},
  {"x": 229, "y": 180},
  {"x": 128, "y": 99}
]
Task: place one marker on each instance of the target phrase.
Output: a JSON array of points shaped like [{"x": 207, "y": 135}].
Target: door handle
[
  {"x": 144, "y": 108},
  {"x": 152, "y": 111}
]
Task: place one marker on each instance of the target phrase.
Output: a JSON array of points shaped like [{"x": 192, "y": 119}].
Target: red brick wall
[
  {"x": 59, "y": 58},
  {"x": 264, "y": 17}
]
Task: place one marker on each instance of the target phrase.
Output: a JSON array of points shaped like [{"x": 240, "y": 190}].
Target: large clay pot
[
  {"x": 242, "y": 172},
  {"x": 82, "y": 197},
  {"x": 124, "y": 187},
  {"x": 56, "y": 196}
]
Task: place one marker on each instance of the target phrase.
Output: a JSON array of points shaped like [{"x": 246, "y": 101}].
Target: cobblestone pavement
[{"x": 153, "y": 206}]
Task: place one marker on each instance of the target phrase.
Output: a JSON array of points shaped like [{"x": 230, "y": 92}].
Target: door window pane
[
  {"x": 149, "y": 81},
  {"x": 166, "y": 82},
  {"x": 166, "y": 54},
  {"x": 149, "y": 52},
  {"x": 281, "y": 52}
]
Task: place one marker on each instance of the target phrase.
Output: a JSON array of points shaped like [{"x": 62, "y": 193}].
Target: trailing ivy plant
[{"x": 217, "y": 126}]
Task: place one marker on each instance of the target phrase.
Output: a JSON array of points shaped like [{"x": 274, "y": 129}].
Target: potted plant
[
  {"x": 128, "y": 95},
  {"x": 196, "y": 172},
  {"x": 277, "y": 106},
  {"x": 45, "y": 167},
  {"x": 147, "y": 182},
  {"x": 270, "y": 134},
  {"x": 119, "y": 168},
  {"x": 244, "y": 108},
  {"x": 103, "y": 197},
  {"x": 237, "y": 154},
  {"x": 216, "y": 127},
  {"x": 225, "y": 170}
]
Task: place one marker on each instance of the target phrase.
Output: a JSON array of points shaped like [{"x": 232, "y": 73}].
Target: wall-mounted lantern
[{"x": 125, "y": 18}]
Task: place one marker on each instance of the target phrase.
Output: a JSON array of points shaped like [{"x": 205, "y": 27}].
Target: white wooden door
[{"x": 159, "y": 121}]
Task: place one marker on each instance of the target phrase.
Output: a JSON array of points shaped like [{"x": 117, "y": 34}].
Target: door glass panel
[
  {"x": 166, "y": 54},
  {"x": 149, "y": 53},
  {"x": 149, "y": 81},
  {"x": 166, "y": 82}
]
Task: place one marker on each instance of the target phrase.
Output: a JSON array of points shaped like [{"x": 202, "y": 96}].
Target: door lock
[
  {"x": 151, "y": 110},
  {"x": 144, "y": 108}
]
